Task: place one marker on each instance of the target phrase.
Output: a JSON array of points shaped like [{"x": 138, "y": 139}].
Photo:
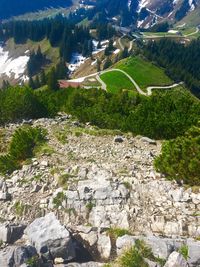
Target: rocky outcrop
[
  {"x": 93, "y": 181},
  {"x": 50, "y": 238},
  {"x": 4, "y": 195},
  {"x": 9, "y": 233},
  {"x": 163, "y": 247},
  {"x": 176, "y": 260},
  {"x": 17, "y": 256}
]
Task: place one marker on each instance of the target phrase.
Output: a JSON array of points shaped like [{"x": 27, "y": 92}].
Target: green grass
[
  {"x": 116, "y": 81},
  {"x": 159, "y": 34},
  {"x": 144, "y": 72}
]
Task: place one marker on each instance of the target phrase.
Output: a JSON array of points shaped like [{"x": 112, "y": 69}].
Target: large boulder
[
  {"x": 176, "y": 260},
  {"x": 50, "y": 238}
]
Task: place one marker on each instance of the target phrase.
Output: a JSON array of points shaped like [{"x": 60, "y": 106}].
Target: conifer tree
[{"x": 52, "y": 80}]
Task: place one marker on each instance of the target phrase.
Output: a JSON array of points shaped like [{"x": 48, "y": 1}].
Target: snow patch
[
  {"x": 13, "y": 67},
  {"x": 98, "y": 50},
  {"x": 142, "y": 4},
  {"x": 116, "y": 51},
  {"x": 76, "y": 61}
]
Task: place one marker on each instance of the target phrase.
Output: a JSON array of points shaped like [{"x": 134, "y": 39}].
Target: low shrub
[
  {"x": 135, "y": 256},
  {"x": 22, "y": 146},
  {"x": 180, "y": 158},
  {"x": 117, "y": 232}
]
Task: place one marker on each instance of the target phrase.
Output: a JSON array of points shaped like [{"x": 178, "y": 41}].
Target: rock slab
[{"x": 50, "y": 238}]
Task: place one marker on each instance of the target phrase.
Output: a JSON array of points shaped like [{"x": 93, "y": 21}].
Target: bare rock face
[
  {"x": 4, "y": 195},
  {"x": 176, "y": 260},
  {"x": 163, "y": 248},
  {"x": 16, "y": 256},
  {"x": 9, "y": 233},
  {"x": 50, "y": 238}
]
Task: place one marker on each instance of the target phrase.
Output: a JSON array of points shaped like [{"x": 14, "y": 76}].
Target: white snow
[
  {"x": 103, "y": 46},
  {"x": 116, "y": 51},
  {"x": 192, "y": 6},
  {"x": 139, "y": 23},
  {"x": 76, "y": 61},
  {"x": 173, "y": 31},
  {"x": 81, "y": 79},
  {"x": 143, "y": 3},
  {"x": 94, "y": 62},
  {"x": 12, "y": 67}
]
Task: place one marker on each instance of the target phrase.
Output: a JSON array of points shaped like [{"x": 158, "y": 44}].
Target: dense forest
[
  {"x": 60, "y": 33},
  {"x": 10, "y": 8},
  {"x": 181, "y": 61}
]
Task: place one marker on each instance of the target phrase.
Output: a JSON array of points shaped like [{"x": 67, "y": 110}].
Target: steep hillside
[
  {"x": 145, "y": 13},
  {"x": 9, "y": 8}
]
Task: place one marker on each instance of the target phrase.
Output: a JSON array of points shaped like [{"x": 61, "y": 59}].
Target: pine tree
[
  {"x": 37, "y": 82},
  {"x": 5, "y": 85},
  {"x": 107, "y": 63},
  {"x": 99, "y": 45},
  {"x": 43, "y": 79},
  {"x": 98, "y": 65},
  {"x": 31, "y": 83},
  {"x": 52, "y": 80}
]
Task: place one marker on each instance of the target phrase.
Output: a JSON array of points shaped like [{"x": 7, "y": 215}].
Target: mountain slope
[
  {"x": 9, "y": 8},
  {"x": 145, "y": 13}
]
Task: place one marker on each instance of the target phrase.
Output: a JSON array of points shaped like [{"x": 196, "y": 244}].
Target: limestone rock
[
  {"x": 176, "y": 260},
  {"x": 50, "y": 237},
  {"x": 148, "y": 140},
  {"x": 10, "y": 233},
  {"x": 104, "y": 246},
  {"x": 16, "y": 256}
]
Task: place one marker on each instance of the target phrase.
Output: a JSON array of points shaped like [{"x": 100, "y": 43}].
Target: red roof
[{"x": 65, "y": 84}]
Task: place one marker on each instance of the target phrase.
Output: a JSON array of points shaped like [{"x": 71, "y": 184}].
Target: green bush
[
  {"x": 164, "y": 115},
  {"x": 22, "y": 146},
  {"x": 117, "y": 232},
  {"x": 18, "y": 103},
  {"x": 132, "y": 258},
  {"x": 184, "y": 251},
  {"x": 135, "y": 256},
  {"x": 180, "y": 158}
]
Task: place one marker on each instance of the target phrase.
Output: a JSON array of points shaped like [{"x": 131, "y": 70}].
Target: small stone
[
  {"x": 5, "y": 196},
  {"x": 58, "y": 260},
  {"x": 118, "y": 139},
  {"x": 36, "y": 188},
  {"x": 148, "y": 140},
  {"x": 44, "y": 163}
]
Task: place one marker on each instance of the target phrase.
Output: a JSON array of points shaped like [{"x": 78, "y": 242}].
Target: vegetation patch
[
  {"x": 117, "y": 232},
  {"x": 135, "y": 256},
  {"x": 144, "y": 72},
  {"x": 116, "y": 81},
  {"x": 21, "y": 208},
  {"x": 58, "y": 200},
  {"x": 180, "y": 158},
  {"x": 23, "y": 144}
]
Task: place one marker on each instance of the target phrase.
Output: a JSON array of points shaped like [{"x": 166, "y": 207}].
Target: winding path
[
  {"x": 137, "y": 87},
  {"x": 192, "y": 33},
  {"x": 140, "y": 91}
]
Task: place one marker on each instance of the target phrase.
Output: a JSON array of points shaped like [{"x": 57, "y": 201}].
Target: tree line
[
  {"x": 180, "y": 61},
  {"x": 59, "y": 31},
  {"x": 164, "y": 115}
]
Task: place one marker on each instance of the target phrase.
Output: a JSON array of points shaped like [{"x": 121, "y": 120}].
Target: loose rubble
[{"x": 86, "y": 181}]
